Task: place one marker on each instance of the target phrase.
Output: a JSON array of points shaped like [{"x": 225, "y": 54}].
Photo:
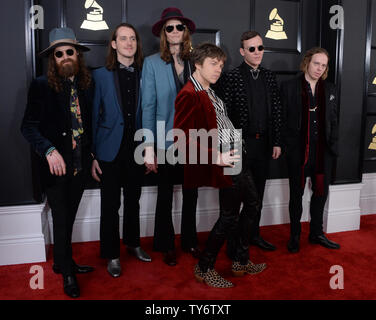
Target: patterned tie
[{"x": 130, "y": 69}]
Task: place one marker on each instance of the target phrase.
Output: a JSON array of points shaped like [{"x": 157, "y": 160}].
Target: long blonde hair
[{"x": 308, "y": 57}]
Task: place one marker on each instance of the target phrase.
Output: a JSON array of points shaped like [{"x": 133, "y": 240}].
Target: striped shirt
[{"x": 227, "y": 134}]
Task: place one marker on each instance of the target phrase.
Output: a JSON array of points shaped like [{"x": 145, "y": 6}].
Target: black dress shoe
[
  {"x": 195, "y": 252},
  {"x": 261, "y": 243},
  {"x": 71, "y": 287},
  {"x": 293, "y": 244},
  {"x": 76, "y": 268},
  {"x": 323, "y": 241},
  {"x": 114, "y": 267},
  {"x": 139, "y": 254},
  {"x": 170, "y": 258}
]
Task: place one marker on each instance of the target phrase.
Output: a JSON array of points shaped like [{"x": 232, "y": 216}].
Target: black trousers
[
  {"x": 164, "y": 234},
  {"x": 296, "y": 193},
  {"x": 124, "y": 173},
  {"x": 258, "y": 157},
  {"x": 64, "y": 197},
  {"x": 231, "y": 225}
]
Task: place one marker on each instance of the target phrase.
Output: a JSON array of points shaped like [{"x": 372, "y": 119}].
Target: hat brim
[
  {"x": 157, "y": 27},
  {"x": 48, "y": 50}
]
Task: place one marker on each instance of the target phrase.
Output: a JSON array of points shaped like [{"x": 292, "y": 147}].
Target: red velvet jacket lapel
[{"x": 194, "y": 110}]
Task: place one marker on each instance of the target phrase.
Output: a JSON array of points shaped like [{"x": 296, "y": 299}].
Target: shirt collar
[
  {"x": 248, "y": 67},
  {"x": 70, "y": 82},
  {"x": 198, "y": 86},
  {"x": 131, "y": 68},
  {"x": 309, "y": 85}
]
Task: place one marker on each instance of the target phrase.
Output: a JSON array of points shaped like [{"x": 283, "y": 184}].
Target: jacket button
[{"x": 64, "y": 134}]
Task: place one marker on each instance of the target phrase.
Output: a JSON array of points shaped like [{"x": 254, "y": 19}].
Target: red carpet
[{"x": 289, "y": 276}]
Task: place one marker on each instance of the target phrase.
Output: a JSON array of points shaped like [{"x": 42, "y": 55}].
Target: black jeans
[
  {"x": 124, "y": 173},
  {"x": 231, "y": 225},
  {"x": 64, "y": 197},
  {"x": 296, "y": 193},
  {"x": 258, "y": 158},
  {"x": 164, "y": 234}
]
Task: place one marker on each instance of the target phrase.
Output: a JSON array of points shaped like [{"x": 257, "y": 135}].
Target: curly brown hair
[
  {"x": 185, "y": 46},
  {"x": 56, "y": 82}
]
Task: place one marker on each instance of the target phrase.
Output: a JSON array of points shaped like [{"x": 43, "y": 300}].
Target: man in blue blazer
[
  {"x": 116, "y": 117},
  {"x": 163, "y": 75}
]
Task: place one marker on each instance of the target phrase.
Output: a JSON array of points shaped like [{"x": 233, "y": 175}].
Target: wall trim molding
[
  {"x": 368, "y": 194},
  {"x": 26, "y": 231},
  {"x": 24, "y": 234}
]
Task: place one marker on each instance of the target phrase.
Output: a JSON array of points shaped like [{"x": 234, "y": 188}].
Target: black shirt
[
  {"x": 186, "y": 74},
  {"x": 313, "y": 126},
  {"x": 127, "y": 82},
  {"x": 258, "y": 112}
]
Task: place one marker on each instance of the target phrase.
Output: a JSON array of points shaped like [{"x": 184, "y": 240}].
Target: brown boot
[
  {"x": 211, "y": 278},
  {"x": 239, "y": 270}
]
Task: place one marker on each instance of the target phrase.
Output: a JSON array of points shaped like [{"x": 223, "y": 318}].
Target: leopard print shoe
[
  {"x": 239, "y": 270},
  {"x": 211, "y": 278},
  {"x": 199, "y": 275}
]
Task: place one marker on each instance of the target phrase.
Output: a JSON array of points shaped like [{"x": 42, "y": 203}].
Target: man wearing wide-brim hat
[
  {"x": 57, "y": 124},
  {"x": 163, "y": 75}
]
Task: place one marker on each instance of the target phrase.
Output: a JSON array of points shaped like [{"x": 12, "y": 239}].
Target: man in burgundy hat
[{"x": 163, "y": 75}]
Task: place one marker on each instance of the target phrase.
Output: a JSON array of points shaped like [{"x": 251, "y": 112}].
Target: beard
[{"x": 67, "y": 68}]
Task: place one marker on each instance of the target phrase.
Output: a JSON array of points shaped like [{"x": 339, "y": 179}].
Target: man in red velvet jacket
[{"x": 198, "y": 108}]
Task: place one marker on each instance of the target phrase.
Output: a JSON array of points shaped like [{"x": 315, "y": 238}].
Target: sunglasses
[
  {"x": 253, "y": 49},
  {"x": 69, "y": 52},
  {"x": 179, "y": 27}
]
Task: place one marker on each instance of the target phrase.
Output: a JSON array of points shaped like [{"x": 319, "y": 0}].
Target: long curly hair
[
  {"x": 55, "y": 81},
  {"x": 185, "y": 46}
]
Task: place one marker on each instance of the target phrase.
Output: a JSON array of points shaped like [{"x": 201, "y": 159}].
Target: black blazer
[
  {"x": 291, "y": 96},
  {"x": 47, "y": 122},
  {"x": 232, "y": 90}
]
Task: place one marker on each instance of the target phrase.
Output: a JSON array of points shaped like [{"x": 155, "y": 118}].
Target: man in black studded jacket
[{"x": 251, "y": 95}]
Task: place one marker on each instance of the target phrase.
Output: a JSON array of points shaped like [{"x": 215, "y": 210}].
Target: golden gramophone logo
[
  {"x": 276, "y": 31},
  {"x": 94, "y": 19},
  {"x": 372, "y": 145}
]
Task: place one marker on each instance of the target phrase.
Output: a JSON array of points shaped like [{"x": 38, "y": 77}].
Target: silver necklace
[{"x": 255, "y": 73}]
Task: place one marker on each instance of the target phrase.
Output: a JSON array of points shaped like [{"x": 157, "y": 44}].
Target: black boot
[
  {"x": 71, "y": 287},
  {"x": 293, "y": 244}
]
